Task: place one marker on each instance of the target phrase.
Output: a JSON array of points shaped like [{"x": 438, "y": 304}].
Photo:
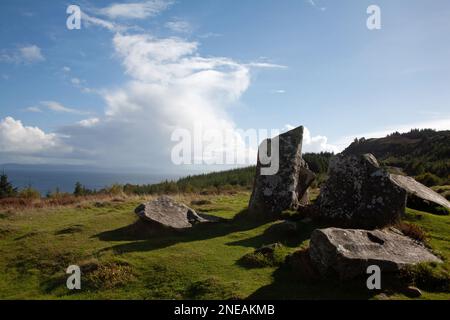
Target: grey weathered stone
[
  {"x": 287, "y": 189},
  {"x": 360, "y": 194},
  {"x": 166, "y": 212},
  {"x": 348, "y": 252},
  {"x": 419, "y": 196}
]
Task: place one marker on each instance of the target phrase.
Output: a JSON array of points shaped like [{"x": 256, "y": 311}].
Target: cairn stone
[{"x": 287, "y": 188}]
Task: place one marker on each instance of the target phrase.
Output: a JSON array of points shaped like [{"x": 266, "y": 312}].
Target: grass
[{"x": 121, "y": 261}]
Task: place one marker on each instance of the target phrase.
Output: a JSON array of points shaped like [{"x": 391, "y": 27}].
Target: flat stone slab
[
  {"x": 348, "y": 252},
  {"x": 420, "y": 196},
  {"x": 169, "y": 213}
]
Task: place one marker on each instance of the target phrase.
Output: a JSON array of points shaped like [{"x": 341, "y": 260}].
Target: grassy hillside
[
  {"x": 121, "y": 260},
  {"x": 419, "y": 153}
]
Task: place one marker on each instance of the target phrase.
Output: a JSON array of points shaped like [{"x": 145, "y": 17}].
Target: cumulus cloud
[
  {"x": 315, "y": 143},
  {"x": 31, "y": 53},
  {"x": 171, "y": 87},
  {"x": 15, "y": 138},
  {"x": 135, "y": 10}
]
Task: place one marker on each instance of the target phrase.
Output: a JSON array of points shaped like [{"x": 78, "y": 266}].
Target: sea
[{"x": 49, "y": 180}]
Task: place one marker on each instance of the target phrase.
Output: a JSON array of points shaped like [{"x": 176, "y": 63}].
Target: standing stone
[
  {"x": 360, "y": 194},
  {"x": 287, "y": 189}
]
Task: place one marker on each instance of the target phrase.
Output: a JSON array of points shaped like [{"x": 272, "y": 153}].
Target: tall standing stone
[
  {"x": 287, "y": 188},
  {"x": 360, "y": 194}
]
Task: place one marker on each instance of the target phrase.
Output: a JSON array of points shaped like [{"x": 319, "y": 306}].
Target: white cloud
[
  {"x": 26, "y": 54},
  {"x": 31, "y": 53},
  {"x": 75, "y": 81},
  {"x": 135, "y": 10},
  {"x": 266, "y": 65},
  {"x": 15, "y": 138},
  {"x": 314, "y": 143},
  {"x": 33, "y": 109},
  {"x": 89, "y": 122},
  {"x": 180, "y": 26},
  {"x": 58, "y": 107},
  {"x": 66, "y": 69},
  {"x": 171, "y": 87},
  {"x": 90, "y": 20}
]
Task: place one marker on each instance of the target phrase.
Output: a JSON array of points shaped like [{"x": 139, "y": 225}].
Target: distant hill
[{"x": 419, "y": 152}]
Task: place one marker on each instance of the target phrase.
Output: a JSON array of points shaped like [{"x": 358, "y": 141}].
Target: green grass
[{"x": 119, "y": 261}]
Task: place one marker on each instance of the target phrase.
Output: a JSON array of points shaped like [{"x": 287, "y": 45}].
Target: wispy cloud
[
  {"x": 314, "y": 4},
  {"x": 135, "y": 10},
  {"x": 179, "y": 26},
  {"x": 89, "y": 20},
  {"x": 33, "y": 109},
  {"x": 266, "y": 65},
  {"x": 58, "y": 107},
  {"x": 25, "y": 54}
]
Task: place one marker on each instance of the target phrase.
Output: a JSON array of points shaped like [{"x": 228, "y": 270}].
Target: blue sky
[{"x": 112, "y": 92}]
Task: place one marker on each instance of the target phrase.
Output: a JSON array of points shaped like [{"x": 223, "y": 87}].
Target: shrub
[
  {"x": 106, "y": 275},
  {"x": 412, "y": 230},
  {"x": 427, "y": 276},
  {"x": 114, "y": 190},
  {"x": 29, "y": 193},
  {"x": 429, "y": 179},
  {"x": 267, "y": 256}
]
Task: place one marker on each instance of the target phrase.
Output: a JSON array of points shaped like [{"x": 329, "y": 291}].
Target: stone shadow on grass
[
  {"x": 146, "y": 236},
  {"x": 286, "y": 286},
  {"x": 292, "y": 239}
]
